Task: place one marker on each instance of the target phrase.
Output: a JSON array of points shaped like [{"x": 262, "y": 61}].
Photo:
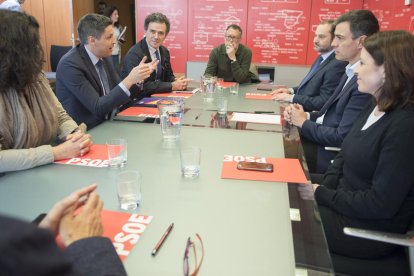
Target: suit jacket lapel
[
  {"x": 91, "y": 68},
  {"x": 334, "y": 96}
]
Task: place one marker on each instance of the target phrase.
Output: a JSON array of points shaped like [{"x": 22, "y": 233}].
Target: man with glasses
[
  {"x": 157, "y": 27},
  {"x": 231, "y": 60}
]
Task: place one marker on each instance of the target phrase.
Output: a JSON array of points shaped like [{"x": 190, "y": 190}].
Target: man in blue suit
[
  {"x": 329, "y": 126},
  {"x": 87, "y": 84},
  {"x": 323, "y": 77}
]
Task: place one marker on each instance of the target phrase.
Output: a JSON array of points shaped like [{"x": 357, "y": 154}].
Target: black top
[{"x": 372, "y": 177}]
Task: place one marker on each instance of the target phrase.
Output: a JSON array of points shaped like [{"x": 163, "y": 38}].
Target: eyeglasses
[
  {"x": 186, "y": 264},
  {"x": 231, "y": 38}
]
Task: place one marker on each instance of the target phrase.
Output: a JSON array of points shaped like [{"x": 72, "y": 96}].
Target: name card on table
[
  {"x": 258, "y": 96},
  {"x": 256, "y": 118},
  {"x": 96, "y": 157},
  {"x": 284, "y": 169},
  {"x": 140, "y": 111}
]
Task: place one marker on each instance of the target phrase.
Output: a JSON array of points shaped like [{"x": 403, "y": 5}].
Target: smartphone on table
[{"x": 255, "y": 166}]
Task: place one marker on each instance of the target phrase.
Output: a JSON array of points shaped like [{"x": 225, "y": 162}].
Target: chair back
[{"x": 56, "y": 53}]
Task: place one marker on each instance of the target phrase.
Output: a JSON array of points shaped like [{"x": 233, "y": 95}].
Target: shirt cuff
[
  {"x": 126, "y": 90},
  {"x": 291, "y": 91},
  {"x": 291, "y": 98}
]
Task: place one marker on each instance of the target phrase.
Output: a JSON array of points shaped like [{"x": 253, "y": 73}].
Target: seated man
[
  {"x": 329, "y": 126},
  {"x": 323, "y": 77},
  {"x": 231, "y": 60},
  {"x": 157, "y": 27},
  {"x": 87, "y": 84},
  {"x": 29, "y": 250}
]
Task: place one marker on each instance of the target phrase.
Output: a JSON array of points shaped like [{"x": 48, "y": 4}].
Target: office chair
[
  {"x": 56, "y": 53},
  {"x": 254, "y": 74},
  {"x": 399, "y": 263}
]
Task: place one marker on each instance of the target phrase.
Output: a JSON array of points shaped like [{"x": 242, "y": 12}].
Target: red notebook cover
[
  {"x": 258, "y": 96},
  {"x": 173, "y": 95},
  {"x": 123, "y": 229},
  {"x": 284, "y": 169},
  {"x": 226, "y": 84},
  {"x": 96, "y": 157},
  {"x": 140, "y": 111}
]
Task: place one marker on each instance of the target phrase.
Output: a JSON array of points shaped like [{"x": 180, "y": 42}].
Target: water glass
[
  {"x": 234, "y": 89},
  {"x": 128, "y": 184},
  {"x": 190, "y": 161},
  {"x": 171, "y": 113},
  {"x": 117, "y": 153},
  {"x": 221, "y": 105}
]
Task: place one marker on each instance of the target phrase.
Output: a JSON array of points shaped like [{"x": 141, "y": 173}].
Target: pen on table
[{"x": 161, "y": 241}]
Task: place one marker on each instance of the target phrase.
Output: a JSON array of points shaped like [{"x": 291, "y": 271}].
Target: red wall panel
[
  {"x": 277, "y": 30},
  {"x": 208, "y": 22}
]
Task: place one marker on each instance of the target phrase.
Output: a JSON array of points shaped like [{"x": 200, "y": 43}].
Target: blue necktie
[
  {"x": 159, "y": 69},
  {"x": 103, "y": 76},
  {"x": 312, "y": 70}
]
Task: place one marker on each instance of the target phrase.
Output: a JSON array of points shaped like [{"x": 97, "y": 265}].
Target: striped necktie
[{"x": 103, "y": 76}]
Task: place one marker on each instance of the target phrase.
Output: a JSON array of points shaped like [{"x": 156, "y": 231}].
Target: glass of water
[
  {"x": 117, "y": 152},
  {"x": 190, "y": 161},
  {"x": 128, "y": 184}
]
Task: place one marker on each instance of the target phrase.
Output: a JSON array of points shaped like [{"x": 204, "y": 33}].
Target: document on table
[{"x": 256, "y": 118}]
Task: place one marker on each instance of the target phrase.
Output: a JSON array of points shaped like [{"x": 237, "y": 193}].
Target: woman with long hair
[
  {"x": 113, "y": 13},
  {"x": 34, "y": 127}
]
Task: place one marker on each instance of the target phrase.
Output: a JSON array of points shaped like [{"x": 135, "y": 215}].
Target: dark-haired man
[
  {"x": 231, "y": 60},
  {"x": 157, "y": 27},
  {"x": 87, "y": 84},
  {"x": 329, "y": 126},
  {"x": 323, "y": 77}
]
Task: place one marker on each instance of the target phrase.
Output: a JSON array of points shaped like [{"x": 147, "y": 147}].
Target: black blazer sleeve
[{"x": 28, "y": 250}]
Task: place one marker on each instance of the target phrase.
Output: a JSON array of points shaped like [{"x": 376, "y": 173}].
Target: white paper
[{"x": 256, "y": 118}]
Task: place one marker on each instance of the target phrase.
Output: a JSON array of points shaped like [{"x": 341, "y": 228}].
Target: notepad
[{"x": 256, "y": 118}]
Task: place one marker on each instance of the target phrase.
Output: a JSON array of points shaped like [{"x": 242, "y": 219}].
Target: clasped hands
[
  {"x": 71, "y": 224},
  {"x": 307, "y": 191},
  {"x": 295, "y": 115}
]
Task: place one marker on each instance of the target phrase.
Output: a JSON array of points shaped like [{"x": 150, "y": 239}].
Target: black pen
[{"x": 163, "y": 238}]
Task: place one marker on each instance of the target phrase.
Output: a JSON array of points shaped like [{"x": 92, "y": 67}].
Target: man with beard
[{"x": 323, "y": 77}]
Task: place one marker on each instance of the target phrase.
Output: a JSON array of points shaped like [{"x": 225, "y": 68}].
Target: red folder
[
  {"x": 284, "y": 170},
  {"x": 173, "y": 95},
  {"x": 97, "y": 156},
  {"x": 258, "y": 96},
  {"x": 140, "y": 111}
]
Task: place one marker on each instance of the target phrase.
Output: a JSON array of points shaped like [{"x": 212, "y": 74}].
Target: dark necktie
[
  {"x": 159, "y": 69},
  {"x": 312, "y": 70},
  {"x": 103, "y": 76}
]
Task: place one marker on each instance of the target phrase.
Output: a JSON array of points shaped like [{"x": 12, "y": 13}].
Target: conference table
[{"x": 247, "y": 227}]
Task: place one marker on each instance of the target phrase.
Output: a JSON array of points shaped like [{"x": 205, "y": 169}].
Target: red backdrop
[{"x": 277, "y": 31}]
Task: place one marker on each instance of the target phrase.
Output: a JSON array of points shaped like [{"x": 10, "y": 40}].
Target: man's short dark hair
[
  {"x": 158, "y": 18},
  {"x": 361, "y": 22},
  {"x": 235, "y": 27},
  {"x": 92, "y": 25},
  {"x": 330, "y": 22}
]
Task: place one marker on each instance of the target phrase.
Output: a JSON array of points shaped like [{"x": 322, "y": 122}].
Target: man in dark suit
[
  {"x": 87, "y": 84},
  {"x": 26, "y": 249},
  {"x": 323, "y": 77},
  {"x": 157, "y": 27},
  {"x": 329, "y": 126}
]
